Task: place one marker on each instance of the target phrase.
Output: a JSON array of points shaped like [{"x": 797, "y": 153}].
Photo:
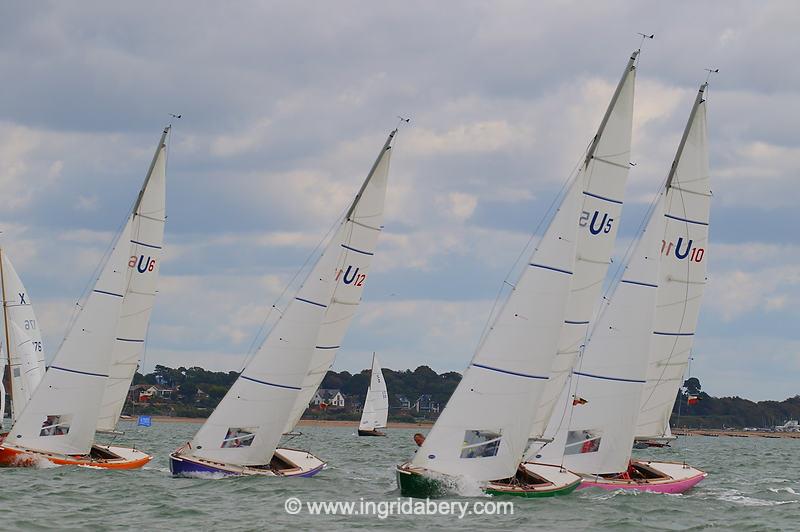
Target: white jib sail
[
  {"x": 607, "y": 174},
  {"x": 62, "y": 413},
  {"x": 376, "y": 406},
  {"x": 354, "y": 243},
  {"x": 483, "y": 431},
  {"x": 247, "y": 425},
  {"x": 683, "y": 274},
  {"x": 25, "y": 337},
  {"x": 146, "y": 243},
  {"x": 597, "y": 435}
]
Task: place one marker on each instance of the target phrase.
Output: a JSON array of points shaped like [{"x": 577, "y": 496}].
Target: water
[{"x": 753, "y": 484}]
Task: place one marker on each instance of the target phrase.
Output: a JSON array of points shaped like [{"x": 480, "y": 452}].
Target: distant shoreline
[
  {"x": 714, "y": 433},
  {"x": 303, "y": 422}
]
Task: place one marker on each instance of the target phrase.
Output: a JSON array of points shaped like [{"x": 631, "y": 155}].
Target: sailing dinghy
[
  {"x": 22, "y": 338},
  {"x": 59, "y": 422},
  {"x": 656, "y": 302},
  {"x": 376, "y": 405},
  {"x": 506, "y": 384},
  {"x": 242, "y": 435}
]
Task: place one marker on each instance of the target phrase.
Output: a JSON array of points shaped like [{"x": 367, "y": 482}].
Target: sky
[{"x": 285, "y": 106}]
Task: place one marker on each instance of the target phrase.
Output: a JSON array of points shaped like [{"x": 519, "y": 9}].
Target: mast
[
  {"x": 386, "y": 146},
  {"x": 10, "y": 386},
  {"x": 150, "y": 169},
  {"x": 596, "y": 140},
  {"x": 697, "y": 101}
]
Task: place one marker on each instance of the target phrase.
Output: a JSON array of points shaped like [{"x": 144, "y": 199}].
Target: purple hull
[{"x": 183, "y": 467}]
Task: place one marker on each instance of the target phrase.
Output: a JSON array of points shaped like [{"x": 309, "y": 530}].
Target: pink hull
[{"x": 673, "y": 486}]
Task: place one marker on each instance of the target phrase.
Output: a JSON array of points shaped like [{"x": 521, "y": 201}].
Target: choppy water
[{"x": 753, "y": 484}]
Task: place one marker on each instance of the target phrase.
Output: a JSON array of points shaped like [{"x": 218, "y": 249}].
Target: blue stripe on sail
[
  {"x": 311, "y": 302},
  {"x": 79, "y": 372},
  {"x": 270, "y": 383},
  {"x": 107, "y": 293},
  {"x": 327, "y": 347},
  {"x": 559, "y": 270},
  {"x": 618, "y": 202},
  {"x": 660, "y": 333},
  {"x": 618, "y": 379},
  {"x": 357, "y": 250},
  {"x": 685, "y": 220},
  {"x": 145, "y": 245},
  {"x": 130, "y": 340},
  {"x": 516, "y": 374},
  {"x": 651, "y": 285},
  {"x": 576, "y": 322}
]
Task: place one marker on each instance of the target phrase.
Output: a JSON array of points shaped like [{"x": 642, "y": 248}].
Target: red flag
[{"x": 692, "y": 399}]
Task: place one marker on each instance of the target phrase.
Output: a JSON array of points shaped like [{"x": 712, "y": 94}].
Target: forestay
[
  {"x": 683, "y": 274},
  {"x": 246, "y": 426},
  {"x": 62, "y": 413},
  {"x": 376, "y": 406},
  {"x": 607, "y": 169},
  {"x": 597, "y": 436},
  {"x": 145, "y": 248},
  {"x": 354, "y": 246},
  {"x": 25, "y": 339}
]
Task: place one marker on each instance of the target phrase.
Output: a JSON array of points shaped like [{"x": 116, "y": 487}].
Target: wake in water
[
  {"x": 737, "y": 497},
  {"x": 461, "y": 485}
]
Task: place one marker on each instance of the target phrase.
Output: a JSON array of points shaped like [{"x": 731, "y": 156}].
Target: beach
[{"x": 302, "y": 423}]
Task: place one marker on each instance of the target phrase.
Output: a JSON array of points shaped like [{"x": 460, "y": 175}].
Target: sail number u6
[{"x": 141, "y": 264}]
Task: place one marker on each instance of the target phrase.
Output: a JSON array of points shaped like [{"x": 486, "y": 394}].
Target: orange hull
[{"x": 10, "y": 457}]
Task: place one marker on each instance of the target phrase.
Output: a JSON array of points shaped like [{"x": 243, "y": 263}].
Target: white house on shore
[{"x": 328, "y": 397}]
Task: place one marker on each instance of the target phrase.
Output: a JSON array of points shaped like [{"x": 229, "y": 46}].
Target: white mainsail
[
  {"x": 683, "y": 274},
  {"x": 376, "y": 406},
  {"x": 62, "y": 413},
  {"x": 247, "y": 425},
  {"x": 26, "y": 354},
  {"x": 607, "y": 174},
  {"x": 606, "y": 386},
  {"x": 146, "y": 243},
  {"x": 354, "y": 243},
  {"x": 483, "y": 431}
]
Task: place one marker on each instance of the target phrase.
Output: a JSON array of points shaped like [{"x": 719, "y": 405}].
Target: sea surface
[{"x": 753, "y": 484}]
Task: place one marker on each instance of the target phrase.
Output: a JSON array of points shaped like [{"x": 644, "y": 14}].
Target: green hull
[
  {"x": 423, "y": 487},
  {"x": 566, "y": 490},
  {"x": 420, "y": 486}
]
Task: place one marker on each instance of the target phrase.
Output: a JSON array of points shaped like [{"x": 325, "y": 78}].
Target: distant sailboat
[
  {"x": 376, "y": 405},
  {"x": 241, "y": 436},
  {"x": 665, "y": 273},
  {"x": 59, "y": 422},
  {"x": 482, "y": 434},
  {"x": 22, "y": 339}
]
